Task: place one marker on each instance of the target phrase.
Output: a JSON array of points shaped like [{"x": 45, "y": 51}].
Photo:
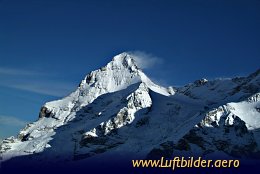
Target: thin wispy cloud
[
  {"x": 52, "y": 89},
  {"x": 12, "y": 121},
  {"x": 18, "y": 72},
  {"x": 33, "y": 81},
  {"x": 145, "y": 60},
  {"x": 10, "y": 125}
]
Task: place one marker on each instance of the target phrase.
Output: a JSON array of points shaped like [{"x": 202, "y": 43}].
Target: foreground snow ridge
[{"x": 118, "y": 110}]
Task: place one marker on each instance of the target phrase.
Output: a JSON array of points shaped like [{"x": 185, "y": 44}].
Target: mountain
[{"x": 118, "y": 113}]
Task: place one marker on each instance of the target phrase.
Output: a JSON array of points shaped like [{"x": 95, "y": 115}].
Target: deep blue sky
[{"x": 48, "y": 46}]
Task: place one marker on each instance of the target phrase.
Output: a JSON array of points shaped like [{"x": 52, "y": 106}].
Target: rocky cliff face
[
  {"x": 220, "y": 130},
  {"x": 118, "y": 110}
]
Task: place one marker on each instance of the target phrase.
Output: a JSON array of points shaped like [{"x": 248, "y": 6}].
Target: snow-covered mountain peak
[
  {"x": 125, "y": 59},
  {"x": 118, "y": 74}
]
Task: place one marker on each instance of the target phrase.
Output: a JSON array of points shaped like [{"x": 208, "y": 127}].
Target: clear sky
[{"x": 48, "y": 46}]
